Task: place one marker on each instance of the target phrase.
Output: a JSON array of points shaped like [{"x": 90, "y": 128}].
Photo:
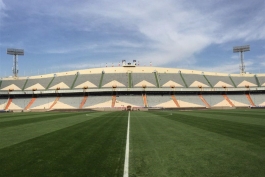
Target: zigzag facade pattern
[{"x": 136, "y": 87}]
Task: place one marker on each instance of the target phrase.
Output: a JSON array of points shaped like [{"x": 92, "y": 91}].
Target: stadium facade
[{"x": 132, "y": 87}]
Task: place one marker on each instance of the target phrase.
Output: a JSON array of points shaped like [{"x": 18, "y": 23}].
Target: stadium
[
  {"x": 133, "y": 120},
  {"x": 85, "y": 102},
  {"x": 132, "y": 87}
]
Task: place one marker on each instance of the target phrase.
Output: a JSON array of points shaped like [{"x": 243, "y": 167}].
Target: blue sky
[{"x": 71, "y": 35}]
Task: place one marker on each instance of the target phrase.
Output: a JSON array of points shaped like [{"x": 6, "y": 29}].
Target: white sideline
[{"x": 126, "y": 162}]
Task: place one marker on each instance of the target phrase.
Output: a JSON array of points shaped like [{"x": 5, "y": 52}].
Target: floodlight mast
[
  {"x": 241, "y": 49},
  {"x": 15, "y": 52}
]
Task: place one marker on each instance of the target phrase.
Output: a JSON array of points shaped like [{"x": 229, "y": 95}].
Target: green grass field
[{"x": 162, "y": 143}]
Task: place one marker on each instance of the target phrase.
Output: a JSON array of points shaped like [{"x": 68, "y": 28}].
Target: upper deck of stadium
[{"x": 133, "y": 78}]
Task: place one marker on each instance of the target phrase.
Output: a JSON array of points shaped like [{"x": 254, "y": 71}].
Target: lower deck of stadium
[{"x": 132, "y": 101}]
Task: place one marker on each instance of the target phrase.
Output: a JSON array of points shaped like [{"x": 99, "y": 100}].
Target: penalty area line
[{"x": 126, "y": 161}]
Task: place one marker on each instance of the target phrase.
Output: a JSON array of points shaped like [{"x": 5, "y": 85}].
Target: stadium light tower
[
  {"x": 241, "y": 49},
  {"x": 15, "y": 52}
]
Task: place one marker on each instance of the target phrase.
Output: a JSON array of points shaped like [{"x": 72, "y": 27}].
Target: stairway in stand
[
  {"x": 113, "y": 101},
  {"x": 250, "y": 99},
  {"x": 55, "y": 101},
  {"x": 204, "y": 101},
  {"x": 83, "y": 102},
  {"x": 30, "y": 103},
  {"x": 175, "y": 100},
  {"x": 8, "y": 103},
  {"x": 228, "y": 100}
]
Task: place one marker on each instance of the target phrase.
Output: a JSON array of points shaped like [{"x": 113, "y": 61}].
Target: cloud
[
  {"x": 83, "y": 65},
  {"x": 161, "y": 32},
  {"x": 261, "y": 56},
  {"x": 70, "y": 49},
  {"x": 2, "y": 11},
  {"x": 228, "y": 67},
  {"x": 172, "y": 30}
]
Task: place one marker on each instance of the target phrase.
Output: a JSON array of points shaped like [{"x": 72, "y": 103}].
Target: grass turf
[
  {"x": 162, "y": 143},
  {"x": 94, "y": 147},
  {"x": 197, "y": 143}
]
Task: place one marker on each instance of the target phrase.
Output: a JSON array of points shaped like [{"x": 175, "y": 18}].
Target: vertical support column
[{"x": 15, "y": 66}]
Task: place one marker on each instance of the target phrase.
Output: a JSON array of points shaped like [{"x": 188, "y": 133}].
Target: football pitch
[{"x": 161, "y": 143}]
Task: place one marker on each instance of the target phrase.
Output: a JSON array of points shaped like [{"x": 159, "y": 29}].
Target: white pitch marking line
[{"x": 126, "y": 162}]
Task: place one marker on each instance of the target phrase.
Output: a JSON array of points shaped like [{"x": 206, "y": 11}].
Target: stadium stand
[
  {"x": 244, "y": 80},
  {"x": 37, "y": 83},
  {"x": 258, "y": 99},
  {"x": 132, "y": 87},
  {"x": 2, "y": 103},
  {"x": 115, "y": 79},
  {"x": 160, "y": 101},
  {"x": 62, "y": 82},
  {"x": 87, "y": 81},
  {"x": 239, "y": 100},
  {"x": 13, "y": 84},
  {"x": 261, "y": 79},
  {"x": 42, "y": 103},
  {"x": 195, "y": 80},
  {"x": 55, "y": 102},
  {"x": 189, "y": 101},
  {"x": 170, "y": 80},
  {"x": 204, "y": 101},
  {"x": 144, "y": 79},
  {"x": 83, "y": 102},
  {"x": 19, "y": 103},
  {"x": 219, "y": 81},
  {"x": 98, "y": 101},
  {"x": 132, "y": 100},
  {"x": 68, "y": 102},
  {"x": 175, "y": 100},
  {"x": 145, "y": 100},
  {"x": 216, "y": 101}
]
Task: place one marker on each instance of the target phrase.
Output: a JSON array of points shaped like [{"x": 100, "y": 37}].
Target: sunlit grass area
[{"x": 162, "y": 143}]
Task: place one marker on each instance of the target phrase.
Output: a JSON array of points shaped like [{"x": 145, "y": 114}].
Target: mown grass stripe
[
  {"x": 242, "y": 113},
  {"x": 29, "y": 116},
  {"x": 30, "y": 120},
  {"x": 17, "y": 134},
  {"x": 223, "y": 116},
  {"x": 165, "y": 147},
  {"x": 246, "y": 132},
  {"x": 12, "y": 115},
  {"x": 90, "y": 148}
]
